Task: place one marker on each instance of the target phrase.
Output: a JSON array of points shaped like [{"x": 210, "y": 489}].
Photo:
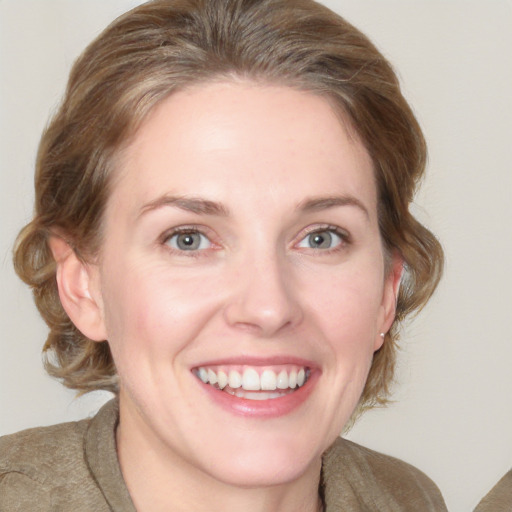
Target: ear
[
  {"x": 79, "y": 290},
  {"x": 389, "y": 298}
]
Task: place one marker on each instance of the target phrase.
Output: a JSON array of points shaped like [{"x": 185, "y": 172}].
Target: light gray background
[{"x": 453, "y": 411}]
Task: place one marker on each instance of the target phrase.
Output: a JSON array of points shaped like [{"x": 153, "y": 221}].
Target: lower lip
[{"x": 272, "y": 408}]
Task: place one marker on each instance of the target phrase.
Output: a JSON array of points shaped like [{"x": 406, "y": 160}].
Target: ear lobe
[
  {"x": 78, "y": 290},
  {"x": 390, "y": 297}
]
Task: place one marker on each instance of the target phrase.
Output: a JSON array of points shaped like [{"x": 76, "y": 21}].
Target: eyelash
[
  {"x": 344, "y": 236},
  {"x": 185, "y": 230}
]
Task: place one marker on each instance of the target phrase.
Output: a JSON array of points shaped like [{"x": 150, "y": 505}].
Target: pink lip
[
  {"x": 259, "y": 361},
  {"x": 272, "y": 408}
]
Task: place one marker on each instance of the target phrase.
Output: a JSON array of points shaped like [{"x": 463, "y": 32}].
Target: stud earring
[{"x": 382, "y": 335}]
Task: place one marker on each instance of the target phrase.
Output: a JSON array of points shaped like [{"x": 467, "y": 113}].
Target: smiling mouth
[{"x": 254, "y": 383}]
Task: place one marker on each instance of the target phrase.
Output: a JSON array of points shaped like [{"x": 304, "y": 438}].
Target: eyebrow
[
  {"x": 202, "y": 206},
  {"x": 191, "y": 204},
  {"x": 316, "y": 204}
]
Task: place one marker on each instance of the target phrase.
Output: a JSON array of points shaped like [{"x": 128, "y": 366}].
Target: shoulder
[
  {"x": 32, "y": 450},
  {"x": 357, "y": 477},
  {"x": 499, "y": 498},
  {"x": 41, "y": 467}
]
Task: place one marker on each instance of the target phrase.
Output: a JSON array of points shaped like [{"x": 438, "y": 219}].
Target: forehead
[{"x": 224, "y": 139}]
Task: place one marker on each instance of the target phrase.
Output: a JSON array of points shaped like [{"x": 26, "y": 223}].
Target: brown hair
[{"x": 164, "y": 45}]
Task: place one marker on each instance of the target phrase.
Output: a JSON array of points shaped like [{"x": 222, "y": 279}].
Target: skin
[{"x": 257, "y": 287}]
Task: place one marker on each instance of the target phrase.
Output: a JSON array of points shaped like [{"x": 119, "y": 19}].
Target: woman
[{"x": 220, "y": 238}]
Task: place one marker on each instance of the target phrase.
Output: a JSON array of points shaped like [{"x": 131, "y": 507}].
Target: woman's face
[{"x": 241, "y": 248}]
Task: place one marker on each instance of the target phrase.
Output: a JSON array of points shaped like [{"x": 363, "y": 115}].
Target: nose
[{"x": 264, "y": 300}]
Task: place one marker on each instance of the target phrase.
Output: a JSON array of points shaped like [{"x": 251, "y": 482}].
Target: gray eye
[
  {"x": 192, "y": 241},
  {"x": 326, "y": 239}
]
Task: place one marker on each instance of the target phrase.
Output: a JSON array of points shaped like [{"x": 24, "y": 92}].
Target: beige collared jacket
[{"x": 499, "y": 498}]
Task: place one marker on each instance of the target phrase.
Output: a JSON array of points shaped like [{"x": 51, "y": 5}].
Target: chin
[
  {"x": 274, "y": 471},
  {"x": 265, "y": 464}
]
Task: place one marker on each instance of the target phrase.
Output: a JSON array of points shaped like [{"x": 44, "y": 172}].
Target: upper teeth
[{"x": 252, "y": 379}]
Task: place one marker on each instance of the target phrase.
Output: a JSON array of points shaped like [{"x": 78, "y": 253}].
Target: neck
[{"x": 159, "y": 480}]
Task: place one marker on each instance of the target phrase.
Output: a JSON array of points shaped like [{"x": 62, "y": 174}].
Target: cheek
[
  {"x": 346, "y": 300},
  {"x": 149, "y": 308},
  {"x": 132, "y": 305},
  {"x": 346, "y": 314}
]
